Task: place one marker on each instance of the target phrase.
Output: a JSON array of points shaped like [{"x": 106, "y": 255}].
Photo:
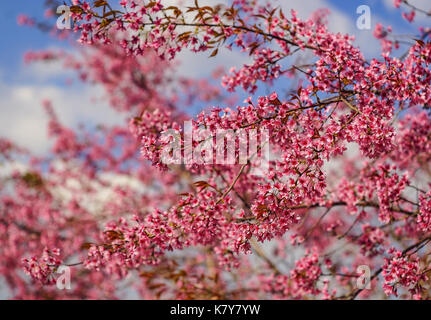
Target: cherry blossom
[{"x": 347, "y": 181}]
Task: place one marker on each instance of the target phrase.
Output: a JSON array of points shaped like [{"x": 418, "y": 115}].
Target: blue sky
[
  {"x": 16, "y": 39},
  {"x": 22, "y": 87}
]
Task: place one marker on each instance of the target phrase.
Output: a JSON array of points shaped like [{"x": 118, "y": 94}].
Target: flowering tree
[{"x": 106, "y": 203}]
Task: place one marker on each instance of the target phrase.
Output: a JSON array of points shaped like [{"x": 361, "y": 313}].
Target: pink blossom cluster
[
  {"x": 42, "y": 269},
  {"x": 105, "y": 199},
  {"x": 402, "y": 271}
]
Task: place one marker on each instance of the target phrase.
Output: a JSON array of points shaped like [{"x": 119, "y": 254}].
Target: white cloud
[
  {"x": 24, "y": 121},
  {"x": 94, "y": 202},
  {"x": 199, "y": 65},
  {"x": 12, "y": 166},
  {"x": 41, "y": 71}
]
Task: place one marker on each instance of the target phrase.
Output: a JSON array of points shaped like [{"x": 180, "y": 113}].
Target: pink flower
[
  {"x": 410, "y": 16},
  {"x": 397, "y": 3}
]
